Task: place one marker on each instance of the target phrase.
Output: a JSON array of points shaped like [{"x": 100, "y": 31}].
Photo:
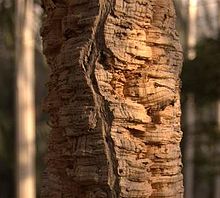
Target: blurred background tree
[
  {"x": 200, "y": 96},
  {"x": 7, "y": 120},
  {"x": 7, "y": 100}
]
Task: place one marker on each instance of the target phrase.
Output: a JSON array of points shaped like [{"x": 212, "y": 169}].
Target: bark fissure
[{"x": 104, "y": 110}]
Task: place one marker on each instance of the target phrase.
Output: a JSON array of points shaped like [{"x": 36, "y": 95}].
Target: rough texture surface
[{"x": 113, "y": 99}]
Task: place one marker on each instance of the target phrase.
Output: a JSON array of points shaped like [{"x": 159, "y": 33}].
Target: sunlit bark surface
[{"x": 113, "y": 99}]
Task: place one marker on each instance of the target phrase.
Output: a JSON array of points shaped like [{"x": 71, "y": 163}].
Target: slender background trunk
[
  {"x": 189, "y": 149},
  {"x": 217, "y": 177},
  {"x": 192, "y": 29},
  {"x": 25, "y": 118}
]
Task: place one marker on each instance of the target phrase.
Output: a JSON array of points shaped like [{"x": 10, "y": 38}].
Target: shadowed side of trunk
[{"x": 113, "y": 99}]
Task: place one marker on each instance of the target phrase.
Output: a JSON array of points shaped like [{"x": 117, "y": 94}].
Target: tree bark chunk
[{"x": 113, "y": 99}]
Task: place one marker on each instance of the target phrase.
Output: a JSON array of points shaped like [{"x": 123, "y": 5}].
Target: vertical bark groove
[{"x": 113, "y": 99}]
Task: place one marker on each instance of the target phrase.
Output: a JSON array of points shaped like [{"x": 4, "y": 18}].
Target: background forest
[{"x": 198, "y": 23}]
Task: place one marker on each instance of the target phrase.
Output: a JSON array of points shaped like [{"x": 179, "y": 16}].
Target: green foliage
[
  {"x": 201, "y": 76},
  {"x": 206, "y": 149}
]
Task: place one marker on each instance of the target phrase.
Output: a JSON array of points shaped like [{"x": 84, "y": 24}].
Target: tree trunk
[
  {"x": 113, "y": 99},
  {"x": 25, "y": 107},
  {"x": 218, "y": 17},
  {"x": 217, "y": 175},
  {"x": 190, "y": 146},
  {"x": 192, "y": 29}
]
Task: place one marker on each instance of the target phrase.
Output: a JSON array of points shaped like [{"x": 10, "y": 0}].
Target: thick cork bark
[{"x": 113, "y": 99}]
